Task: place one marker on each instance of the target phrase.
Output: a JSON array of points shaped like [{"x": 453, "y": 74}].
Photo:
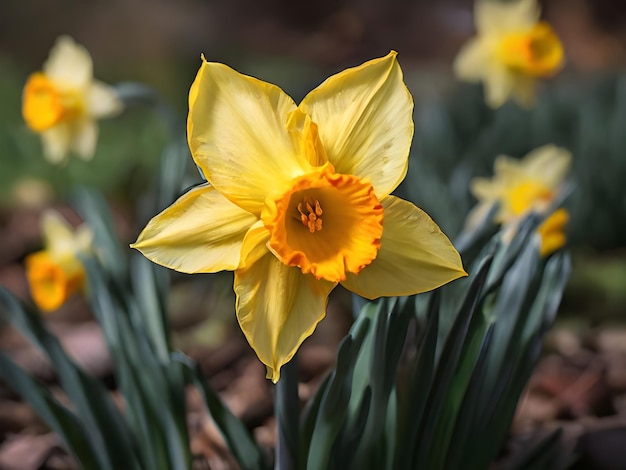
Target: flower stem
[{"x": 286, "y": 410}]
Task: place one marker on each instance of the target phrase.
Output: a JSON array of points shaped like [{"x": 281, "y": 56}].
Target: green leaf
[
  {"x": 412, "y": 397},
  {"x": 383, "y": 352},
  {"x": 58, "y": 417},
  {"x": 151, "y": 285},
  {"x": 333, "y": 407},
  {"x": 104, "y": 424},
  {"x": 152, "y": 388},
  {"x": 346, "y": 446},
  {"x": 94, "y": 211},
  {"x": 243, "y": 448},
  {"x": 308, "y": 418},
  {"x": 174, "y": 161},
  {"x": 425, "y": 454}
]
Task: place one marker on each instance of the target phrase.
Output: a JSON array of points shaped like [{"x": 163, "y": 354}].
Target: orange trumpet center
[{"x": 327, "y": 224}]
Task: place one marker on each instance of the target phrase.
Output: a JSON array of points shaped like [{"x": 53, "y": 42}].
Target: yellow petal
[
  {"x": 496, "y": 17},
  {"x": 485, "y": 189},
  {"x": 471, "y": 61},
  {"x": 254, "y": 244},
  {"x": 509, "y": 169},
  {"x": 83, "y": 238},
  {"x": 552, "y": 231},
  {"x": 84, "y": 138},
  {"x": 201, "y": 232},
  {"x": 305, "y": 138},
  {"x": 58, "y": 234},
  {"x": 499, "y": 85},
  {"x": 102, "y": 100},
  {"x": 69, "y": 64},
  {"x": 414, "y": 257},
  {"x": 365, "y": 122},
  {"x": 238, "y": 136},
  {"x": 56, "y": 142},
  {"x": 278, "y": 307},
  {"x": 549, "y": 164}
]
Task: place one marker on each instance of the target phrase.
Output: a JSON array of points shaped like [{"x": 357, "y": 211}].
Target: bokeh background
[{"x": 297, "y": 45}]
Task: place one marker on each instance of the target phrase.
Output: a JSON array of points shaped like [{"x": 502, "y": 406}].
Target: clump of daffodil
[
  {"x": 55, "y": 273},
  {"x": 523, "y": 186},
  {"x": 512, "y": 49},
  {"x": 63, "y": 101},
  {"x": 298, "y": 200}
]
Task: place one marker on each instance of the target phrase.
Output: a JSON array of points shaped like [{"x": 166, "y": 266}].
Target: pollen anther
[{"x": 311, "y": 218}]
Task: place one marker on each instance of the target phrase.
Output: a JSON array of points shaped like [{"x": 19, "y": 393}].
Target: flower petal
[
  {"x": 471, "y": 61},
  {"x": 552, "y": 232},
  {"x": 69, "y": 64},
  {"x": 549, "y": 164},
  {"x": 103, "y": 100},
  {"x": 84, "y": 138},
  {"x": 58, "y": 234},
  {"x": 365, "y": 122},
  {"x": 238, "y": 136},
  {"x": 305, "y": 138},
  {"x": 499, "y": 85},
  {"x": 415, "y": 256},
  {"x": 486, "y": 189},
  {"x": 56, "y": 142},
  {"x": 254, "y": 244},
  {"x": 278, "y": 307},
  {"x": 202, "y": 232},
  {"x": 496, "y": 17}
]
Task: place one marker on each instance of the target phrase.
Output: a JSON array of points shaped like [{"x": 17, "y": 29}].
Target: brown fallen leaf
[{"x": 27, "y": 451}]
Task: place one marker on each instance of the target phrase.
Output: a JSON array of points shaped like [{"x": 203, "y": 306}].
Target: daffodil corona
[
  {"x": 55, "y": 273},
  {"x": 63, "y": 101},
  {"x": 298, "y": 200},
  {"x": 523, "y": 186},
  {"x": 511, "y": 50}
]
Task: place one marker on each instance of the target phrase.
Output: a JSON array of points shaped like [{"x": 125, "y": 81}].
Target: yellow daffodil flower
[
  {"x": 552, "y": 232},
  {"x": 63, "y": 101},
  {"x": 298, "y": 200},
  {"x": 511, "y": 50},
  {"x": 55, "y": 273},
  {"x": 524, "y": 186}
]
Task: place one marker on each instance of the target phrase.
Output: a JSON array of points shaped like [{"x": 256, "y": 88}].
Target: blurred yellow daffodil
[
  {"x": 55, "y": 273},
  {"x": 523, "y": 186},
  {"x": 63, "y": 101},
  {"x": 298, "y": 200},
  {"x": 511, "y": 50}
]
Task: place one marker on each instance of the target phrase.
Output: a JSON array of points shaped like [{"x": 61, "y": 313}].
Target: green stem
[{"x": 286, "y": 410}]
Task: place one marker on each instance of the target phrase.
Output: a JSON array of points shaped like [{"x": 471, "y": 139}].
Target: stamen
[
  {"x": 311, "y": 218},
  {"x": 318, "y": 208}
]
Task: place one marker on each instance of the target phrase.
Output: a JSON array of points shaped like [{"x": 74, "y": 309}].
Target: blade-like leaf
[
  {"x": 446, "y": 367},
  {"x": 334, "y": 405},
  {"x": 243, "y": 448},
  {"x": 104, "y": 424},
  {"x": 58, "y": 417}
]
